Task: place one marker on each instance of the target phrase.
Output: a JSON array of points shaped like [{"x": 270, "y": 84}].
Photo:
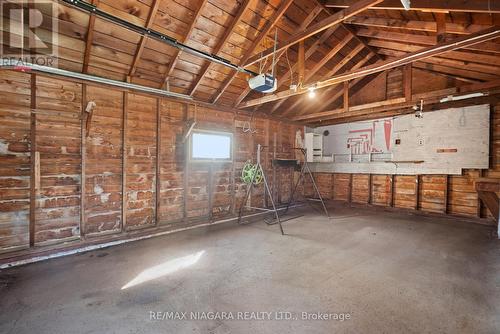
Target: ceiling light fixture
[{"x": 312, "y": 92}]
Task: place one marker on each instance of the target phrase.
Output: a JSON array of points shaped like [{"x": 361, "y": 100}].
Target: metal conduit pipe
[{"x": 14, "y": 64}]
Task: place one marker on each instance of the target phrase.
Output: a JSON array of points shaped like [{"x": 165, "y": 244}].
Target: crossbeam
[{"x": 424, "y": 53}]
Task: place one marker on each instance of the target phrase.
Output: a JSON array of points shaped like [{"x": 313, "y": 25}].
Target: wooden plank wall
[
  {"x": 58, "y": 139},
  {"x": 15, "y": 99},
  {"x": 447, "y": 194},
  {"x": 119, "y": 162}
]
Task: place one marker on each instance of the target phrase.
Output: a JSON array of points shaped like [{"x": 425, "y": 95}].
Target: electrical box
[{"x": 314, "y": 147}]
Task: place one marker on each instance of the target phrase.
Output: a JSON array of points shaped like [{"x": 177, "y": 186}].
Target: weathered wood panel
[
  {"x": 58, "y": 139},
  {"x": 341, "y": 187},
  {"x": 14, "y": 160},
  {"x": 433, "y": 193},
  {"x": 141, "y": 161},
  {"x": 381, "y": 190},
  {"x": 103, "y": 162},
  {"x": 405, "y": 191},
  {"x": 172, "y": 161},
  {"x": 360, "y": 188}
]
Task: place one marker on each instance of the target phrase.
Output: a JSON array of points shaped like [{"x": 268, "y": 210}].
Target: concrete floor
[{"x": 392, "y": 273}]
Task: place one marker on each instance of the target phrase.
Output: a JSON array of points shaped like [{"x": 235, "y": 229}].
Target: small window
[{"x": 210, "y": 145}]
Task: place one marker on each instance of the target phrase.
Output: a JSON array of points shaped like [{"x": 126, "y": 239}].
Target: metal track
[{"x": 91, "y": 9}]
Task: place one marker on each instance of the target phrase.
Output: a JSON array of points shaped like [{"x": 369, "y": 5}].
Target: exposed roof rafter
[
  {"x": 265, "y": 31},
  {"x": 227, "y": 33},
  {"x": 142, "y": 42},
  {"x": 424, "y": 53},
  {"x": 429, "y": 5},
  {"x": 177, "y": 54}
]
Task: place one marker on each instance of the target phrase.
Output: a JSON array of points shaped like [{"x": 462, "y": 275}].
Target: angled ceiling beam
[
  {"x": 349, "y": 30},
  {"x": 399, "y": 103},
  {"x": 319, "y": 65},
  {"x": 429, "y": 5},
  {"x": 424, "y": 53},
  {"x": 332, "y": 20},
  {"x": 89, "y": 39},
  {"x": 142, "y": 42},
  {"x": 429, "y": 26},
  {"x": 420, "y": 39},
  {"x": 178, "y": 52},
  {"x": 328, "y": 91},
  {"x": 312, "y": 15},
  {"x": 308, "y": 55},
  {"x": 463, "y": 69},
  {"x": 265, "y": 31},
  {"x": 227, "y": 33},
  {"x": 476, "y": 62}
]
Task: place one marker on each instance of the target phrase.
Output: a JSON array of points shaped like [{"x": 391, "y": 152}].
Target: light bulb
[{"x": 312, "y": 92}]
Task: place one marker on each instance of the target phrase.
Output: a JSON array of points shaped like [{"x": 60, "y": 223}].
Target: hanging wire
[{"x": 289, "y": 66}]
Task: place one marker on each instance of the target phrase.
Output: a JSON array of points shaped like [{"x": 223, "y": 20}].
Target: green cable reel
[{"x": 248, "y": 171}]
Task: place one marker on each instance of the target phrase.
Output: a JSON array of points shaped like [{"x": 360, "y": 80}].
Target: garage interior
[{"x": 212, "y": 166}]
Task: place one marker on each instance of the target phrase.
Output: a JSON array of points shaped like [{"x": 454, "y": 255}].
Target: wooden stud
[
  {"x": 370, "y": 186},
  {"x": 185, "y": 179},
  {"x": 83, "y": 150},
  {"x": 158, "y": 161},
  {"x": 350, "y": 188},
  {"x": 408, "y": 82},
  {"x": 301, "y": 62},
  {"x": 346, "y": 96},
  {"x": 392, "y": 186},
  {"x": 446, "y": 191},
  {"x": 440, "y": 27},
  {"x": 124, "y": 163},
  {"x": 417, "y": 191},
  {"x": 479, "y": 211},
  {"x": 33, "y": 169}
]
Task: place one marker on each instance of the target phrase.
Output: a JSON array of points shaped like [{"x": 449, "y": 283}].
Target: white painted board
[{"x": 442, "y": 142}]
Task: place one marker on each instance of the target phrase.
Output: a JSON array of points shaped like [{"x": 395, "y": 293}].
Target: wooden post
[
  {"x": 233, "y": 168},
  {"x": 407, "y": 82},
  {"x": 274, "y": 188},
  {"x": 350, "y": 189},
  {"x": 301, "y": 62},
  {"x": 369, "y": 188},
  {"x": 392, "y": 191},
  {"x": 417, "y": 191},
  {"x": 479, "y": 202},
  {"x": 185, "y": 181},
  {"x": 33, "y": 168},
  {"x": 346, "y": 96},
  {"x": 210, "y": 190},
  {"x": 440, "y": 27},
  {"x": 158, "y": 161},
  {"x": 124, "y": 162},
  {"x": 83, "y": 150},
  {"x": 446, "y": 189}
]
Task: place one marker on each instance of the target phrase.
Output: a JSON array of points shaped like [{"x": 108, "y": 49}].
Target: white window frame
[{"x": 211, "y": 132}]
